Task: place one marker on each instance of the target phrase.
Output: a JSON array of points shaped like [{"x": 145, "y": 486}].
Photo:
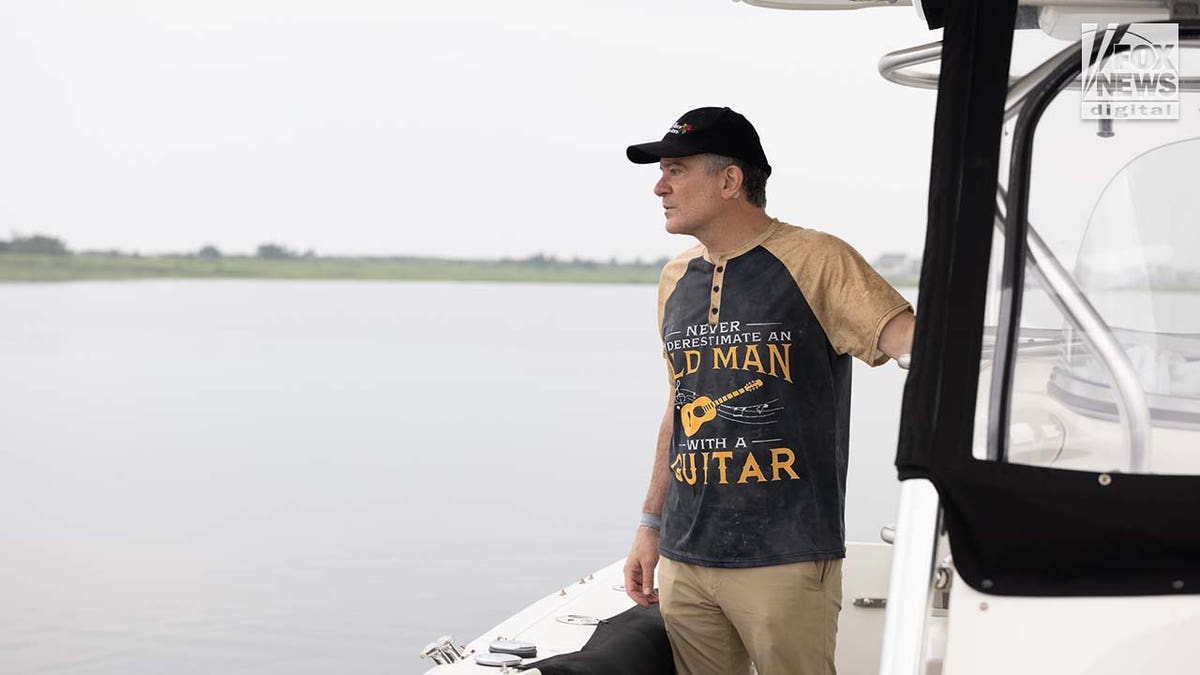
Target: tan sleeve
[
  {"x": 672, "y": 272},
  {"x": 849, "y": 298}
]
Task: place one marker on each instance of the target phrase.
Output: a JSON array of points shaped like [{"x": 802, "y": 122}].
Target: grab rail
[
  {"x": 1078, "y": 310},
  {"x": 896, "y": 67}
]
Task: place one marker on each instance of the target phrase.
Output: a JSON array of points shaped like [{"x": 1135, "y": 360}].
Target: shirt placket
[{"x": 714, "y": 291}]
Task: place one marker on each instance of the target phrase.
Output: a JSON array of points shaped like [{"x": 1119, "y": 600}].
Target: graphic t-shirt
[{"x": 758, "y": 344}]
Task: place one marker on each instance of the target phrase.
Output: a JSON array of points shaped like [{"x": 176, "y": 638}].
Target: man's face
[{"x": 691, "y": 198}]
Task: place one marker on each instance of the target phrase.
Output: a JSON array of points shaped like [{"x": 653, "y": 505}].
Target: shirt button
[
  {"x": 721, "y": 268},
  {"x": 716, "y": 289},
  {"x": 714, "y": 310}
]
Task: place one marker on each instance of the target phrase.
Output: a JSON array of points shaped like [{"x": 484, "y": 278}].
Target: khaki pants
[{"x": 781, "y": 617}]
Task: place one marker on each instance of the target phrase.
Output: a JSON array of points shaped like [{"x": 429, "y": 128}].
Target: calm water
[{"x": 315, "y": 477}]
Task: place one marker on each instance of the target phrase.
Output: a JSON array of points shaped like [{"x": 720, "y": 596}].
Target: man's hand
[{"x": 639, "y": 567}]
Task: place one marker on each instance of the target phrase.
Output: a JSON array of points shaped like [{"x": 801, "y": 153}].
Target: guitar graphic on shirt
[{"x": 704, "y": 409}]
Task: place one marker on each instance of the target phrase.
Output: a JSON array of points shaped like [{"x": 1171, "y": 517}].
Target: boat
[{"x": 1049, "y": 456}]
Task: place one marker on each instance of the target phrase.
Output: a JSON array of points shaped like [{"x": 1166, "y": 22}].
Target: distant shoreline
[{"x": 28, "y": 267}]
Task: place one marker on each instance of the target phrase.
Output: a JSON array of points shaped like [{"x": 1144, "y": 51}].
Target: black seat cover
[{"x": 633, "y": 642}]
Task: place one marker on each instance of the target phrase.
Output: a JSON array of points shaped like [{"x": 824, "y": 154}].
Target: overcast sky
[{"x": 464, "y": 129}]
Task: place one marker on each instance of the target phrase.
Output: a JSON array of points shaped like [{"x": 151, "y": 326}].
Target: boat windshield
[
  {"x": 1114, "y": 207},
  {"x": 1137, "y": 264}
]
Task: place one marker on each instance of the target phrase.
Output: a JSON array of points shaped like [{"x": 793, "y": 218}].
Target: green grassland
[{"x": 31, "y": 267}]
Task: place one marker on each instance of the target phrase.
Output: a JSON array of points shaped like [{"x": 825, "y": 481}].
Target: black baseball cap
[{"x": 720, "y": 131}]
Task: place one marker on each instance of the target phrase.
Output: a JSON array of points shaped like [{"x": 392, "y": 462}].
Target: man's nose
[{"x": 661, "y": 188}]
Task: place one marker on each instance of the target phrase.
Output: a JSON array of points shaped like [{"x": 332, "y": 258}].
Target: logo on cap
[{"x": 680, "y": 128}]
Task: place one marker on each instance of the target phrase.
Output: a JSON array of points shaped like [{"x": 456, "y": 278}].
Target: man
[{"x": 746, "y": 500}]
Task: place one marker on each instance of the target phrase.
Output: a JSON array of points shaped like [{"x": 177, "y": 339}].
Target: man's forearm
[
  {"x": 897, "y": 336},
  {"x": 657, "y": 493},
  {"x": 643, "y": 557}
]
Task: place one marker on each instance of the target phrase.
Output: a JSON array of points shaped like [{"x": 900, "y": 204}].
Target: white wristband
[{"x": 651, "y": 520}]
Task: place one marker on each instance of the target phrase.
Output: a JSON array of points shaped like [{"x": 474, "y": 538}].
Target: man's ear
[{"x": 731, "y": 182}]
